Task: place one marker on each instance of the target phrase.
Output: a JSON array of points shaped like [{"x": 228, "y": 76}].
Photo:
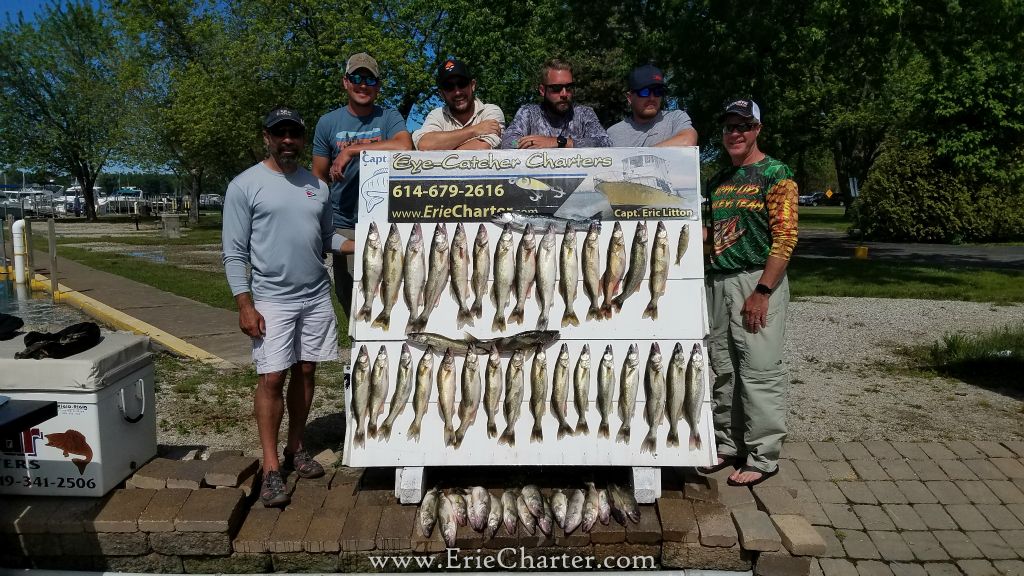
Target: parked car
[{"x": 819, "y": 199}]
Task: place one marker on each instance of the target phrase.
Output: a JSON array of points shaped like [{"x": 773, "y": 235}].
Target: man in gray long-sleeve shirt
[
  {"x": 278, "y": 221},
  {"x": 556, "y": 122}
]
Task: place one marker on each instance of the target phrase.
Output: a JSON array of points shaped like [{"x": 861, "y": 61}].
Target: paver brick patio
[{"x": 891, "y": 546}]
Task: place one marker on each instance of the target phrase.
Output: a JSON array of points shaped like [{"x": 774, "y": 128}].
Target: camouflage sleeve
[{"x": 782, "y": 217}]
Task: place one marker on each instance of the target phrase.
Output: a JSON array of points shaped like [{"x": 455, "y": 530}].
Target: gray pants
[
  {"x": 751, "y": 378},
  {"x": 344, "y": 279}
]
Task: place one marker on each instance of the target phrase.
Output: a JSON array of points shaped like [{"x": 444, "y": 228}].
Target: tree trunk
[
  {"x": 87, "y": 183},
  {"x": 197, "y": 189}
]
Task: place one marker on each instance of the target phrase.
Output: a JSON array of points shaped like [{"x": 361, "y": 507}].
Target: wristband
[{"x": 762, "y": 289}]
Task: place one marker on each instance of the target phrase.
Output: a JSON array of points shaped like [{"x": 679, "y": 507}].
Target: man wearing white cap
[
  {"x": 751, "y": 232},
  {"x": 340, "y": 136}
]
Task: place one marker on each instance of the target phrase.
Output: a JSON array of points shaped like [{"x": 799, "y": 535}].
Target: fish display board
[{"x": 567, "y": 287}]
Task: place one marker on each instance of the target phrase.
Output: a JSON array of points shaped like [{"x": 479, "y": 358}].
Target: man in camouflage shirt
[{"x": 751, "y": 232}]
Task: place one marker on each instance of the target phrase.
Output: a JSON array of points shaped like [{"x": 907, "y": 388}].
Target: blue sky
[{"x": 26, "y": 7}]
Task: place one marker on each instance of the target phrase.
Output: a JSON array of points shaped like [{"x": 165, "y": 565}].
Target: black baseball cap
[
  {"x": 282, "y": 114},
  {"x": 452, "y": 68},
  {"x": 644, "y": 76},
  {"x": 746, "y": 108}
]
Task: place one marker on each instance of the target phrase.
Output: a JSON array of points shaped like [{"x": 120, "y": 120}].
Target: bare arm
[
  {"x": 459, "y": 139},
  {"x": 321, "y": 165},
  {"x": 687, "y": 137},
  {"x": 400, "y": 141}
]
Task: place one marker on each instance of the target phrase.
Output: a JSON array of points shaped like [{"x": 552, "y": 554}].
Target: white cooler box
[{"x": 105, "y": 426}]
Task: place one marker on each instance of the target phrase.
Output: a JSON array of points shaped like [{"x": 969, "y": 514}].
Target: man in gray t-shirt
[
  {"x": 648, "y": 124},
  {"x": 277, "y": 221}
]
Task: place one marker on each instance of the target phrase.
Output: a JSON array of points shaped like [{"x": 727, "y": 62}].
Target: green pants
[{"x": 751, "y": 379}]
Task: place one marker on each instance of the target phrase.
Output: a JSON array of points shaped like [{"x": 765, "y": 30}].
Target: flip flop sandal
[
  {"x": 764, "y": 476},
  {"x": 725, "y": 463}
]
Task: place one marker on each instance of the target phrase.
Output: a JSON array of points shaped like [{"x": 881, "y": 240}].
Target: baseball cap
[
  {"x": 746, "y": 108},
  {"x": 452, "y": 68},
  {"x": 644, "y": 76},
  {"x": 362, "y": 60},
  {"x": 282, "y": 114}
]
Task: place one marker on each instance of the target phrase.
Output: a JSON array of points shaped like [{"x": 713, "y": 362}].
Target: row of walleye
[
  {"x": 387, "y": 268},
  {"x": 485, "y": 512},
  {"x": 674, "y": 393}
]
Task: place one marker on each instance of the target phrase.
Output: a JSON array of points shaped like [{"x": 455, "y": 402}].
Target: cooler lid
[{"x": 89, "y": 371}]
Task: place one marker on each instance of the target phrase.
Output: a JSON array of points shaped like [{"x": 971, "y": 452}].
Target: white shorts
[{"x": 304, "y": 330}]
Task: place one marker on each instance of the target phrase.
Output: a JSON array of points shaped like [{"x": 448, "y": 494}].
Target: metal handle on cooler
[{"x": 140, "y": 392}]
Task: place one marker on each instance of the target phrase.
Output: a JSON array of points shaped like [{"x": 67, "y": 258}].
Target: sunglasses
[
  {"x": 657, "y": 91},
  {"x": 741, "y": 128},
  {"x": 287, "y": 132},
  {"x": 367, "y": 79},
  {"x": 557, "y": 88},
  {"x": 449, "y": 85}
]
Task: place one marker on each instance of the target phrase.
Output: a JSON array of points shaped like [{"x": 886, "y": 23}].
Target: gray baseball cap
[{"x": 362, "y": 60}]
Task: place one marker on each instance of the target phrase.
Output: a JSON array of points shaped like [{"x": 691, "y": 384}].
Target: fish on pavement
[
  {"x": 428, "y": 512},
  {"x": 534, "y": 500},
  {"x": 495, "y": 515},
  {"x": 604, "y": 507},
  {"x": 360, "y": 394},
  {"x": 560, "y": 392},
  {"x": 547, "y": 269},
  {"x": 538, "y": 393},
  {"x": 605, "y": 390},
  {"x": 378, "y": 389},
  {"x": 675, "y": 391},
  {"x": 694, "y": 395},
  {"x": 470, "y": 402},
  {"x": 592, "y": 271},
  {"x": 559, "y": 505},
  {"x": 373, "y": 267},
  {"x": 526, "y": 517},
  {"x": 654, "y": 396},
  {"x": 614, "y": 269},
  {"x": 504, "y": 274},
  {"x": 459, "y": 267},
  {"x": 514, "y": 383},
  {"x": 526, "y": 272},
  {"x": 421, "y": 397},
  {"x": 481, "y": 270},
  {"x": 446, "y": 515},
  {"x": 479, "y": 508},
  {"x": 437, "y": 278},
  {"x": 446, "y": 395},
  {"x": 637, "y": 266},
  {"x": 629, "y": 381},
  {"x": 590, "y": 507},
  {"x": 568, "y": 276},
  {"x": 391, "y": 277},
  {"x": 460, "y": 507},
  {"x": 402, "y": 390},
  {"x": 659, "y": 271},
  {"x": 623, "y": 504},
  {"x": 492, "y": 390},
  {"x": 574, "y": 514},
  {"x": 414, "y": 273},
  {"x": 509, "y": 513},
  {"x": 546, "y": 520}
]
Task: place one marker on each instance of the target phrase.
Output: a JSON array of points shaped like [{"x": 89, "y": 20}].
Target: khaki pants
[
  {"x": 751, "y": 378},
  {"x": 344, "y": 279}
]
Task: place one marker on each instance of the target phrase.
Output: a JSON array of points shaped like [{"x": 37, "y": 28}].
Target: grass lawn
[
  {"x": 823, "y": 218},
  {"x": 874, "y": 279}
]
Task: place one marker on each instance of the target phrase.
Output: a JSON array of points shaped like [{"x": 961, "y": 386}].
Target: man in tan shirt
[{"x": 464, "y": 122}]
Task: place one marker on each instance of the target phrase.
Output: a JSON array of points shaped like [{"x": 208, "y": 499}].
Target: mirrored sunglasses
[
  {"x": 645, "y": 92},
  {"x": 367, "y": 79}
]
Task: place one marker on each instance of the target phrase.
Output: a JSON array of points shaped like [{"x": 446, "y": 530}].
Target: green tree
[{"x": 65, "y": 93}]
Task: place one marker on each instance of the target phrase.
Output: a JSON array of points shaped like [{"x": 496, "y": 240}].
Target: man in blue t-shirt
[{"x": 341, "y": 135}]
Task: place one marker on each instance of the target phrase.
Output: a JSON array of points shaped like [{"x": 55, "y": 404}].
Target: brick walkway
[{"x": 835, "y": 509}]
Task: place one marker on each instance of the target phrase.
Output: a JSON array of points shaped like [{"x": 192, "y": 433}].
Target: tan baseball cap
[{"x": 362, "y": 60}]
